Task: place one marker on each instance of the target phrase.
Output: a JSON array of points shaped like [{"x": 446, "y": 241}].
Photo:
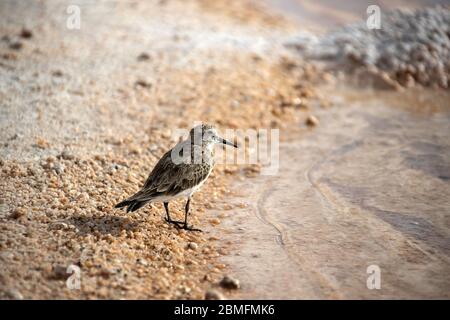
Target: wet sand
[{"x": 369, "y": 186}]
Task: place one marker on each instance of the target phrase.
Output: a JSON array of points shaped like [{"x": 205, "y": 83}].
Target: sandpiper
[{"x": 179, "y": 173}]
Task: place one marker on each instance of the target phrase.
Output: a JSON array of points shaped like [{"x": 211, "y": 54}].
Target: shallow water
[{"x": 369, "y": 186}]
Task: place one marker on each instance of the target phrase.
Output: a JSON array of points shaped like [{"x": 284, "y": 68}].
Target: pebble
[
  {"x": 312, "y": 121},
  {"x": 192, "y": 246},
  {"x": 142, "y": 262},
  {"x": 214, "y": 221},
  {"x": 66, "y": 155},
  {"x": 212, "y": 294},
  {"x": 179, "y": 267},
  {"x": 57, "y": 73},
  {"x": 229, "y": 282},
  {"x": 106, "y": 272},
  {"x": 16, "y": 45},
  {"x": 59, "y": 272},
  {"x": 14, "y": 294},
  {"x": 299, "y": 103},
  {"x": 7, "y": 255},
  {"x": 59, "y": 168},
  {"x": 144, "y": 56},
  {"x": 143, "y": 84},
  {"x": 134, "y": 149},
  {"x": 59, "y": 226},
  {"x": 26, "y": 33},
  {"x": 42, "y": 143},
  {"x": 17, "y": 213}
]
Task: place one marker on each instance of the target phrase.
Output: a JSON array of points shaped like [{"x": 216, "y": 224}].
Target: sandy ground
[{"x": 86, "y": 113}]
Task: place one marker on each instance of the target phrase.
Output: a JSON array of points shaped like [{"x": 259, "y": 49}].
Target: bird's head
[{"x": 207, "y": 134}]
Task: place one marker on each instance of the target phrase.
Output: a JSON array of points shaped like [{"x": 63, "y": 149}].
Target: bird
[{"x": 179, "y": 173}]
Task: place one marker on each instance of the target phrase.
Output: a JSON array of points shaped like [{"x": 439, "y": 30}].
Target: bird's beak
[{"x": 228, "y": 142}]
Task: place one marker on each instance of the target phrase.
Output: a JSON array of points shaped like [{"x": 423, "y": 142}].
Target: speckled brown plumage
[{"x": 180, "y": 172}]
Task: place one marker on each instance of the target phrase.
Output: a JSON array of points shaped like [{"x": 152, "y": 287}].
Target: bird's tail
[{"x": 132, "y": 204}]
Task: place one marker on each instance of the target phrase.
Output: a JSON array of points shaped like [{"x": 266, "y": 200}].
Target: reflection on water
[{"x": 368, "y": 186}]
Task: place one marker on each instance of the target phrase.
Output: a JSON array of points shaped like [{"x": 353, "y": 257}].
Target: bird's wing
[{"x": 169, "y": 178}]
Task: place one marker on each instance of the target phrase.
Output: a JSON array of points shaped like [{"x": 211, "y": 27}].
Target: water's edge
[{"x": 369, "y": 186}]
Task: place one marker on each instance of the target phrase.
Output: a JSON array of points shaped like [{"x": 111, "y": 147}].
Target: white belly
[{"x": 183, "y": 194}]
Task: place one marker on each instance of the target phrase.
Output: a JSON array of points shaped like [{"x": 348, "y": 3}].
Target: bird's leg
[
  {"x": 177, "y": 223},
  {"x": 186, "y": 212}
]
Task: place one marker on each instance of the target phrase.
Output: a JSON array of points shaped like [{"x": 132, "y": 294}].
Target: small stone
[
  {"x": 7, "y": 255},
  {"x": 207, "y": 277},
  {"x": 230, "y": 283},
  {"x": 42, "y": 143},
  {"x": 234, "y": 104},
  {"x": 59, "y": 168},
  {"x": 142, "y": 262},
  {"x": 212, "y": 294},
  {"x": 143, "y": 56},
  {"x": 179, "y": 267},
  {"x": 16, "y": 45},
  {"x": 105, "y": 272},
  {"x": 299, "y": 103},
  {"x": 26, "y": 33},
  {"x": 14, "y": 294},
  {"x": 134, "y": 149},
  {"x": 9, "y": 56},
  {"x": 192, "y": 246},
  {"x": 185, "y": 289},
  {"x": 17, "y": 213},
  {"x": 66, "y": 155},
  {"x": 214, "y": 221},
  {"x": 83, "y": 197},
  {"x": 57, "y": 73},
  {"x": 59, "y": 272},
  {"x": 143, "y": 84},
  {"x": 312, "y": 121},
  {"x": 409, "y": 81},
  {"x": 59, "y": 226},
  {"x": 191, "y": 262}
]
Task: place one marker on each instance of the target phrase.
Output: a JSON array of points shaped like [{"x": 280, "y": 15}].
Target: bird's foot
[
  {"x": 179, "y": 224},
  {"x": 190, "y": 228}
]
